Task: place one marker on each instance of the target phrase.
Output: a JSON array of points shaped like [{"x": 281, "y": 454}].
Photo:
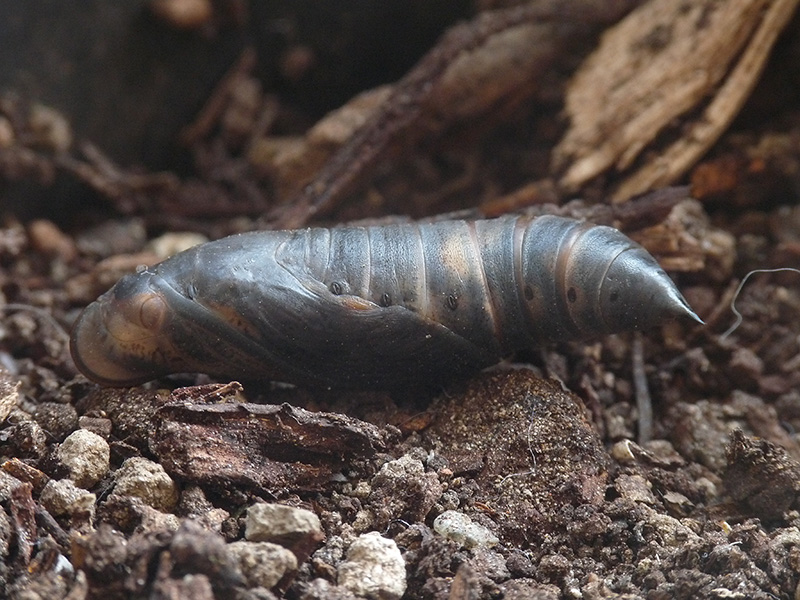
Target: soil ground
[{"x": 653, "y": 465}]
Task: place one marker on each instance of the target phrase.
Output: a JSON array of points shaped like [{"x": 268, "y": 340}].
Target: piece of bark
[
  {"x": 694, "y": 63},
  {"x": 269, "y": 447},
  {"x": 27, "y": 473},
  {"x": 23, "y": 516}
]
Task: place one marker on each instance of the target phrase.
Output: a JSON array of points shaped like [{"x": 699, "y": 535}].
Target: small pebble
[
  {"x": 263, "y": 563},
  {"x": 194, "y": 502},
  {"x": 58, "y": 420},
  {"x": 489, "y": 564},
  {"x": 26, "y": 439},
  {"x": 6, "y": 536},
  {"x": 8, "y": 483},
  {"x": 155, "y": 521},
  {"x": 677, "y": 504},
  {"x": 7, "y": 136},
  {"x": 146, "y": 480},
  {"x": 50, "y": 128},
  {"x": 669, "y": 531},
  {"x": 374, "y": 568},
  {"x": 9, "y": 394},
  {"x": 745, "y": 366},
  {"x": 634, "y": 488},
  {"x": 86, "y": 456},
  {"x": 61, "y": 497},
  {"x": 127, "y": 513},
  {"x": 321, "y": 589},
  {"x": 112, "y": 238},
  {"x": 183, "y": 14},
  {"x": 172, "y": 243},
  {"x": 294, "y": 528},
  {"x": 420, "y": 490},
  {"x": 46, "y": 238},
  {"x": 460, "y": 528},
  {"x": 194, "y": 505}
]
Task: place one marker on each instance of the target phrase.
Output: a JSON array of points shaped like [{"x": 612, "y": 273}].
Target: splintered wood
[
  {"x": 671, "y": 74},
  {"x": 476, "y": 69}
]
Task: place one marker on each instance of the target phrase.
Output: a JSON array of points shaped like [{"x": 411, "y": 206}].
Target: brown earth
[{"x": 655, "y": 465}]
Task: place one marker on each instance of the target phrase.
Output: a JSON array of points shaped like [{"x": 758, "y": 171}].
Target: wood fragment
[
  {"x": 23, "y": 516},
  {"x": 269, "y": 447},
  {"x": 214, "y": 107},
  {"x": 466, "y": 584},
  {"x": 530, "y": 194},
  {"x": 475, "y": 67},
  {"x": 659, "y": 64},
  {"x": 48, "y": 523},
  {"x": 292, "y": 161},
  {"x": 162, "y": 197},
  {"x": 25, "y": 472}
]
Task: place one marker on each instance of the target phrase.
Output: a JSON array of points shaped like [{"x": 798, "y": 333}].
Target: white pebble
[
  {"x": 277, "y": 522},
  {"x": 172, "y": 243},
  {"x": 8, "y": 483},
  {"x": 146, "y": 480},
  {"x": 460, "y": 528},
  {"x": 86, "y": 456},
  {"x": 9, "y": 394},
  {"x": 262, "y": 563},
  {"x": 374, "y": 568},
  {"x": 62, "y": 497}
]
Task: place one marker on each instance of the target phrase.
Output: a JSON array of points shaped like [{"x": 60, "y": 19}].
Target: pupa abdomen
[{"x": 372, "y": 307}]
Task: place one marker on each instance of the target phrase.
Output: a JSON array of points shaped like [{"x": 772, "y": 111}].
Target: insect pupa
[{"x": 372, "y": 307}]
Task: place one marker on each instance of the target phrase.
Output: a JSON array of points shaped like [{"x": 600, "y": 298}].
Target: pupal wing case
[{"x": 372, "y": 307}]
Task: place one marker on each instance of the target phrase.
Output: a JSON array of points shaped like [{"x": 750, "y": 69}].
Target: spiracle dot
[
  {"x": 337, "y": 289},
  {"x": 528, "y": 291},
  {"x": 572, "y": 294},
  {"x": 386, "y": 299},
  {"x": 452, "y": 302}
]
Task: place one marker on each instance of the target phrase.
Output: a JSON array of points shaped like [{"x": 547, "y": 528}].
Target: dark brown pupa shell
[{"x": 372, "y": 307}]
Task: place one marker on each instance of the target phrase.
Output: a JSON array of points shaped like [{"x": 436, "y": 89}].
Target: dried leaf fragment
[{"x": 663, "y": 61}]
